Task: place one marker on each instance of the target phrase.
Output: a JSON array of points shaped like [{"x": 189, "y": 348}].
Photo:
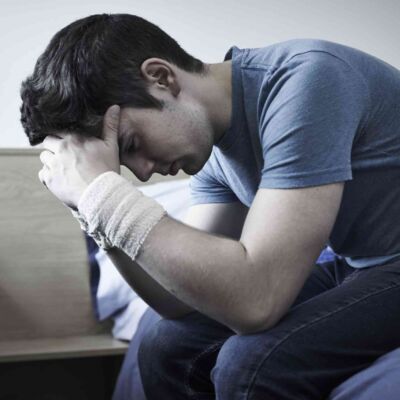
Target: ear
[
  {"x": 111, "y": 124},
  {"x": 161, "y": 75}
]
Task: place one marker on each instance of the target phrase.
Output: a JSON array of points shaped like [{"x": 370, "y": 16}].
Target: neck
[
  {"x": 213, "y": 90},
  {"x": 219, "y": 97}
]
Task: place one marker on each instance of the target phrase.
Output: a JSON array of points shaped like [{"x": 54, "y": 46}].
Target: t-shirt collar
[{"x": 234, "y": 54}]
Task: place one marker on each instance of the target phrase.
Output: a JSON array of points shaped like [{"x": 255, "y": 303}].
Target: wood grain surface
[{"x": 44, "y": 274}]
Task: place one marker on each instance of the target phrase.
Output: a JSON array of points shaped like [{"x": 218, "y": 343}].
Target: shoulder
[{"x": 278, "y": 54}]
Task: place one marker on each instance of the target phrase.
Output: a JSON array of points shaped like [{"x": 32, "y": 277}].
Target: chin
[
  {"x": 194, "y": 165},
  {"x": 188, "y": 169},
  {"x": 194, "y": 169}
]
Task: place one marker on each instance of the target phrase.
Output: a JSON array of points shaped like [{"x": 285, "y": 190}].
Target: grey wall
[{"x": 205, "y": 28}]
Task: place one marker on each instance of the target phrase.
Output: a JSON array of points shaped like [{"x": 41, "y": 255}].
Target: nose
[{"x": 142, "y": 167}]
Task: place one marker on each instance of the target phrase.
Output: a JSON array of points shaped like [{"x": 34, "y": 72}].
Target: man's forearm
[
  {"x": 212, "y": 274},
  {"x": 209, "y": 272},
  {"x": 167, "y": 305}
]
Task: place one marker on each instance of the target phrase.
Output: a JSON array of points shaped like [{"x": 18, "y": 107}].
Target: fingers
[
  {"x": 52, "y": 142},
  {"x": 111, "y": 124},
  {"x": 47, "y": 158},
  {"x": 42, "y": 176}
]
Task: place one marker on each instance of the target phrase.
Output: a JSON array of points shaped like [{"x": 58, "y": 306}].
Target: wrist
[{"x": 116, "y": 210}]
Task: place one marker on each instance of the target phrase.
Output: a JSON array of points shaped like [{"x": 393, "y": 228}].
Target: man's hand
[{"x": 71, "y": 162}]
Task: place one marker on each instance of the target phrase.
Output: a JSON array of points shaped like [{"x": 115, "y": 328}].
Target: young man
[{"x": 291, "y": 147}]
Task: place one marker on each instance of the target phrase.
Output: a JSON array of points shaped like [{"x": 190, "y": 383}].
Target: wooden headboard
[{"x": 44, "y": 279}]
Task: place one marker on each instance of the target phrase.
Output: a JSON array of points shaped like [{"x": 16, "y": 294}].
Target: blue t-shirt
[{"x": 310, "y": 112}]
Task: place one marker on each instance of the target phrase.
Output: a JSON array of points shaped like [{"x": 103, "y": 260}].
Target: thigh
[
  {"x": 177, "y": 355},
  {"x": 323, "y": 277},
  {"x": 318, "y": 344}
]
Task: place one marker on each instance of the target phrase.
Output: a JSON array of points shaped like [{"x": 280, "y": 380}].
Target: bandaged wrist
[
  {"x": 117, "y": 214},
  {"x": 97, "y": 236}
]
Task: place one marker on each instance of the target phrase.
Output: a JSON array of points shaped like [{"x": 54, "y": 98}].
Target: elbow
[
  {"x": 252, "y": 320},
  {"x": 250, "y": 327},
  {"x": 259, "y": 322},
  {"x": 255, "y": 322},
  {"x": 254, "y": 316},
  {"x": 251, "y": 323}
]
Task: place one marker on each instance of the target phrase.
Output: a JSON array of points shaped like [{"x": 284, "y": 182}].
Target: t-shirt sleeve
[
  {"x": 312, "y": 108},
  {"x": 207, "y": 187}
]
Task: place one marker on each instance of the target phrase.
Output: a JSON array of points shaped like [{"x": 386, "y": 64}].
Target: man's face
[{"x": 163, "y": 141}]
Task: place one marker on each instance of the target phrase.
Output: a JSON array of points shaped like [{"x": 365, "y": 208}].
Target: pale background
[{"x": 204, "y": 28}]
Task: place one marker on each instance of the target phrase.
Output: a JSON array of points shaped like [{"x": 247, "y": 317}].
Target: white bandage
[{"x": 116, "y": 214}]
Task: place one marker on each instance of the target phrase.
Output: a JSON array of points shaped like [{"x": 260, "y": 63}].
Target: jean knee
[
  {"x": 247, "y": 365},
  {"x": 159, "y": 346},
  {"x": 234, "y": 366},
  {"x": 176, "y": 356}
]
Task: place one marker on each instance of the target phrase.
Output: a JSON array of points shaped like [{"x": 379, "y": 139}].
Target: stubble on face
[
  {"x": 193, "y": 134},
  {"x": 206, "y": 136}
]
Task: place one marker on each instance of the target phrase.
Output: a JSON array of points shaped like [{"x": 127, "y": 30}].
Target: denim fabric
[
  {"x": 342, "y": 321},
  {"x": 129, "y": 385},
  {"x": 379, "y": 381}
]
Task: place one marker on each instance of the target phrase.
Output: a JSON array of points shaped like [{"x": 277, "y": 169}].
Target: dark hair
[{"x": 90, "y": 65}]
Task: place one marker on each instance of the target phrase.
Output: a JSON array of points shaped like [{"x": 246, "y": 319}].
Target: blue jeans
[
  {"x": 129, "y": 384},
  {"x": 341, "y": 322},
  {"x": 379, "y": 381}
]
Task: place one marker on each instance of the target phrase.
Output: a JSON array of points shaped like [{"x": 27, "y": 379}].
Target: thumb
[{"x": 111, "y": 124}]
